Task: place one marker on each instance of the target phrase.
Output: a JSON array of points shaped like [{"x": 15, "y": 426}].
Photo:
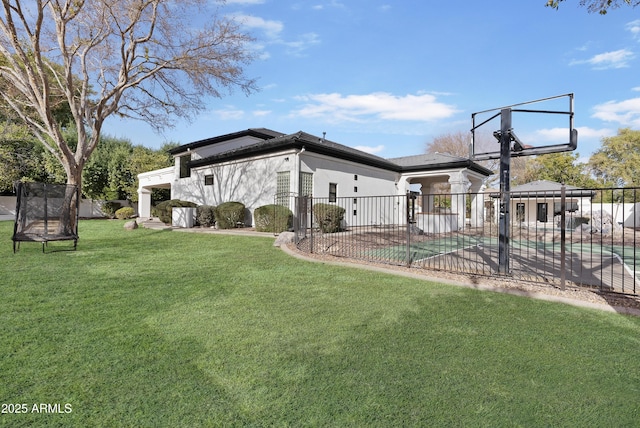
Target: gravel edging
[{"x": 574, "y": 296}]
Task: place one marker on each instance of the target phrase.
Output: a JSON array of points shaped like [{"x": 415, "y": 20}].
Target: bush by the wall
[
  {"x": 273, "y": 218},
  {"x": 229, "y": 215},
  {"x": 205, "y": 215},
  {"x": 124, "y": 213},
  {"x": 109, "y": 208},
  {"x": 328, "y": 217},
  {"x": 164, "y": 209}
]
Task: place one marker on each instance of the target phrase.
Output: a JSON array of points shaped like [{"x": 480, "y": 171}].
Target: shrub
[
  {"x": 109, "y": 208},
  {"x": 273, "y": 218},
  {"x": 164, "y": 209},
  {"x": 205, "y": 215},
  {"x": 125, "y": 212},
  {"x": 328, "y": 217},
  {"x": 229, "y": 215}
]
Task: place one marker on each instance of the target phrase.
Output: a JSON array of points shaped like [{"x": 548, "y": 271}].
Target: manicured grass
[{"x": 150, "y": 328}]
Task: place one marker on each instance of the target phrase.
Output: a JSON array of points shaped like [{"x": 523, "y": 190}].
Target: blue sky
[{"x": 388, "y": 77}]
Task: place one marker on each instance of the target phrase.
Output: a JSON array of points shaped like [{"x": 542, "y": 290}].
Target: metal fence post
[
  {"x": 310, "y": 202},
  {"x": 563, "y": 235},
  {"x": 408, "y": 222}
]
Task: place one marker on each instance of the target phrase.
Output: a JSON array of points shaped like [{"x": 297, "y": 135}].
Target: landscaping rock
[
  {"x": 131, "y": 225},
  {"x": 415, "y": 230},
  {"x": 283, "y": 239}
]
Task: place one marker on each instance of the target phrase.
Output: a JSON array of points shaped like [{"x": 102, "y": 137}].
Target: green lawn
[{"x": 154, "y": 328}]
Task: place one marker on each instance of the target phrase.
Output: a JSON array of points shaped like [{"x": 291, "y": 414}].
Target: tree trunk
[{"x": 69, "y": 212}]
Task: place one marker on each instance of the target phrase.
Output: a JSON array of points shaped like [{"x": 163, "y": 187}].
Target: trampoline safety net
[{"x": 46, "y": 212}]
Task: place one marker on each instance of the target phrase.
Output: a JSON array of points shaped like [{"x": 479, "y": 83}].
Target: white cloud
[
  {"x": 369, "y": 149},
  {"x": 261, "y": 113},
  {"x": 626, "y": 113},
  {"x": 303, "y": 43},
  {"x": 607, "y": 60},
  {"x": 377, "y": 106},
  {"x": 229, "y": 113},
  {"x": 332, "y": 3},
  {"x": 272, "y": 29},
  {"x": 555, "y": 135},
  {"x": 560, "y": 135},
  {"x": 585, "y": 132},
  {"x": 634, "y": 28}
]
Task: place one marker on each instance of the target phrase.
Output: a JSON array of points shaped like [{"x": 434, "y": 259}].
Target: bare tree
[
  {"x": 141, "y": 59},
  {"x": 457, "y": 144},
  {"x": 600, "y": 6}
]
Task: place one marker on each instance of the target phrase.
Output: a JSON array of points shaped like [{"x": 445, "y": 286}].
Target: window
[
  {"x": 542, "y": 212},
  {"x": 208, "y": 180},
  {"x": 306, "y": 184},
  {"x": 333, "y": 192},
  {"x": 185, "y": 171},
  {"x": 355, "y": 177},
  {"x": 355, "y": 189},
  {"x": 283, "y": 188}
]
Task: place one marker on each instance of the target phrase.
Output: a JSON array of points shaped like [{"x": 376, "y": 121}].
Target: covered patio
[{"x": 157, "y": 179}]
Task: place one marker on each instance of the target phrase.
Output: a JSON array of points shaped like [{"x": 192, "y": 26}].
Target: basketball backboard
[{"x": 539, "y": 127}]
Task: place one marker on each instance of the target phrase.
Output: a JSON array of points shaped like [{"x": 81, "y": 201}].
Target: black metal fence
[{"x": 585, "y": 237}]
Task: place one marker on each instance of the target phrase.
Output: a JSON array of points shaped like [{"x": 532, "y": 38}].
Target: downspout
[{"x": 298, "y": 172}]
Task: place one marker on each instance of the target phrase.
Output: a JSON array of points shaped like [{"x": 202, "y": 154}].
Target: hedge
[
  {"x": 273, "y": 218},
  {"x": 124, "y": 213},
  {"x": 109, "y": 208},
  {"x": 229, "y": 215},
  {"x": 328, "y": 217},
  {"x": 206, "y": 215}
]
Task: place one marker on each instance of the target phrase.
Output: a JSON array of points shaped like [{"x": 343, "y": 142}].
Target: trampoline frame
[{"x": 45, "y": 227}]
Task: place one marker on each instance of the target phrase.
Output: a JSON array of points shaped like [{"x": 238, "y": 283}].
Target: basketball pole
[{"x": 505, "y": 189}]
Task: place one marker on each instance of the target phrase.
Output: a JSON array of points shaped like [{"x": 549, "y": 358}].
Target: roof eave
[{"x": 208, "y": 141}]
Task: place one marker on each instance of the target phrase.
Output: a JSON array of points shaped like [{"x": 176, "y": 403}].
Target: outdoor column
[
  {"x": 477, "y": 205},
  {"x": 144, "y": 203},
  {"x": 459, "y": 187}
]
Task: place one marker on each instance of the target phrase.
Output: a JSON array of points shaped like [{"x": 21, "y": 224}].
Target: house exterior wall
[
  {"x": 530, "y": 213},
  {"x": 253, "y": 182},
  {"x": 352, "y": 179}
]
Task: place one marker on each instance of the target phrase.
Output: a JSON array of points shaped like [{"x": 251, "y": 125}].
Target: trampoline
[{"x": 45, "y": 213}]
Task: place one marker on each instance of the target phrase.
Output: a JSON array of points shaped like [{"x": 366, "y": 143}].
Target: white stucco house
[
  {"x": 539, "y": 201},
  {"x": 260, "y": 166}
]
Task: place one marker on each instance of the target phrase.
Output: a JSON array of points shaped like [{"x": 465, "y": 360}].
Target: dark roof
[
  {"x": 274, "y": 141},
  {"x": 262, "y": 133},
  {"x": 299, "y": 140},
  {"x": 437, "y": 161}
]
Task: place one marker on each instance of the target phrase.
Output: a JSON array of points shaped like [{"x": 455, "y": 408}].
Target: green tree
[
  {"x": 600, "y": 6},
  {"x": 21, "y": 157},
  {"x": 107, "y": 175},
  {"x": 144, "y": 159},
  {"x": 617, "y": 162},
  {"x": 559, "y": 167}
]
